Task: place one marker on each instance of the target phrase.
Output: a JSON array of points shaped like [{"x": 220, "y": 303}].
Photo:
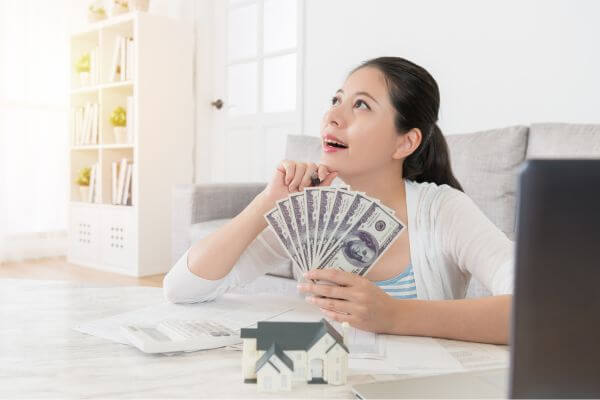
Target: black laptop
[{"x": 555, "y": 327}]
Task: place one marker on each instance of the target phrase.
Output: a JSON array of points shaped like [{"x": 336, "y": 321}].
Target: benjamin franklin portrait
[{"x": 360, "y": 249}]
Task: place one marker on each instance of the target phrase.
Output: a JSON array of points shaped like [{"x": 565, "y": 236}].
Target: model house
[{"x": 277, "y": 353}]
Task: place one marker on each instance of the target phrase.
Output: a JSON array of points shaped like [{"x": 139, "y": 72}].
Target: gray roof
[
  {"x": 274, "y": 350},
  {"x": 247, "y": 333},
  {"x": 291, "y": 335}
]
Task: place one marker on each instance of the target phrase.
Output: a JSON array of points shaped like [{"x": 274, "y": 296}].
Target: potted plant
[
  {"x": 119, "y": 7},
  {"x": 82, "y": 66},
  {"x": 96, "y": 12},
  {"x": 83, "y": 180},
  {"x": 118, "y": 119}
]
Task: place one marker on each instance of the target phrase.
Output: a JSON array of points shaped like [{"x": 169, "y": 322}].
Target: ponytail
[{"x": 431, "y": 161}]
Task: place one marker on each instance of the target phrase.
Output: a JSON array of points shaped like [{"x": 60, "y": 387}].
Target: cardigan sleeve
[
  {"x": 474, "y": 243},
  {"x": 263, "y": 255}
]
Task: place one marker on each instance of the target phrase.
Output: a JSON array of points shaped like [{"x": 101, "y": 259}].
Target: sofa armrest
[{"x": 193, "y": 203}]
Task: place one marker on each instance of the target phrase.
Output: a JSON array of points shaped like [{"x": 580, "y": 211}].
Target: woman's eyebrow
[{"x": 360, "y": 93}]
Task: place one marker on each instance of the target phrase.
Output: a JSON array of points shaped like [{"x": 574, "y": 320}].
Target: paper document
[
  {"x": 230, "y": 308},
  {"x": 476, "y": 356},
  {"x": 417, "y": 356},
  {"x": 362, "y": 344},
  {"x": 414, "y": 354}
]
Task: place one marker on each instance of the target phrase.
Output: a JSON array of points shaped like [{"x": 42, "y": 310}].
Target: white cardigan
[{"x": 450, "y": 241}]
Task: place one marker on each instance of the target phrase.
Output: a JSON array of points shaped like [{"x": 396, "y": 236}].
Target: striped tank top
[{"x": 401, "y": 286}]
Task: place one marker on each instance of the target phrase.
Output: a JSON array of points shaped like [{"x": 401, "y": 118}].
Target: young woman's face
[{"x": 361, "y": 118}]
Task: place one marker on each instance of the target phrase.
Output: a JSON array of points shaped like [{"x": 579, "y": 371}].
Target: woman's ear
[{"x": 407, "y": 143}]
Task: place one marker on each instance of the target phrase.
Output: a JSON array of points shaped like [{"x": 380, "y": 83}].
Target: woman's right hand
[{"x": 293, "y": 176}]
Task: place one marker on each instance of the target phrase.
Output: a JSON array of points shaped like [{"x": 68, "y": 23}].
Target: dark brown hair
[{"x": 416, "y": 97}]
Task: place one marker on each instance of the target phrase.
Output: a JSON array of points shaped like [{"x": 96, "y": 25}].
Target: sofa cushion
[
  {"x": 560, "y": 140},
  {"x": 486, "y": 164}
]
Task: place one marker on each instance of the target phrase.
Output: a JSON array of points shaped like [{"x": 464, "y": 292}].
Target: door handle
[{"x": 218, "y": 104}]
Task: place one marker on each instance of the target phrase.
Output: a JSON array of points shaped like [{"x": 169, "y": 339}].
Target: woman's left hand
[{"x": 355, "y": 300}]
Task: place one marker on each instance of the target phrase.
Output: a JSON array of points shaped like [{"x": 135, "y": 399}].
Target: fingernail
[
  {"x": 309, "y": 299},
  {"x": 302, "y": 286}
]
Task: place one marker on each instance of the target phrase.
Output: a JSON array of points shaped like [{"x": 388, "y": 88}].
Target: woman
[{"x": 380, "y": 137}]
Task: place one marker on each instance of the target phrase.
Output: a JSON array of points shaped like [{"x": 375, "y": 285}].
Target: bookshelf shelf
[
  {"x": 117, "y": 146},
  {"x": 85, "y": 148},
  {"x": 120, "y": 230},
  {"x": 85, "y": 90},
  {"x": 95, "y": 88}
]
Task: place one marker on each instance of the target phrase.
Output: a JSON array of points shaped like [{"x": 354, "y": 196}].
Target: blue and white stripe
[{"x": 401, "y": 286}]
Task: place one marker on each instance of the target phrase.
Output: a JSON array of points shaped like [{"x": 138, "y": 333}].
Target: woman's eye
[
  {"x": 334, "y": 100},
  {"x": 359, "y": 102}
]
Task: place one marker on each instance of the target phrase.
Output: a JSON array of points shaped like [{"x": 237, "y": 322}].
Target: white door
[
  {"x": 316, "y": 368},
  {"x": 257, "y": 86}
]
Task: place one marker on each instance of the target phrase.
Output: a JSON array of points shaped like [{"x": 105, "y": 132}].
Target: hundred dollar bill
[
  {"x": 340, "y": 205},
  {"x": 365, "y": 242},
  {"x": 290, "y": 222},
  {"x": 326, "y": 197},
  {"x": 311, "y": 203},
  {"x": 297, "y": 204},
  {"x": 276, "y": 223},
  {"x": 388, "y": 209},
  {"x": 360, "y": 204}
]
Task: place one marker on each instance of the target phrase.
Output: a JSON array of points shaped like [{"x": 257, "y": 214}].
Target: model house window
[{"x": 301, "y": 372}]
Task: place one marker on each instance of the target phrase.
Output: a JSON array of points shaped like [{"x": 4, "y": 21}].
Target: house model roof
[
  {"x": 274, "y": 350},
  {"x": 290, "y": 335}
]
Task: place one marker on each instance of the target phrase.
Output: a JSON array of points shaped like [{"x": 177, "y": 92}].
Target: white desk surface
[{"x": 42, "y": 356}]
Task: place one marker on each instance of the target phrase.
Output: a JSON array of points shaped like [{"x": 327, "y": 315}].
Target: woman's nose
[{"x": 335, "y": 117}]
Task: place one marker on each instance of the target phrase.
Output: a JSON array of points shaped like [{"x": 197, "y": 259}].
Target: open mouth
[{"x": 333, "y": 143}]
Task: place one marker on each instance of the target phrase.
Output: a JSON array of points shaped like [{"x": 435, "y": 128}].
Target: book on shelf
[
  {"x": 85, "y": 126},
  {"x": 129, "y": 59},
  {"x": 123, "y": 59},
  {"x": 127, "y": 188},
  {"x": 95, "y": 180},
  {"x": 122, "y": 172},
  {"x": 123, "y": 55},
  {"x": 114, "y": 169}
]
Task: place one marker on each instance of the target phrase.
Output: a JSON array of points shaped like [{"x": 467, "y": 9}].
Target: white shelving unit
[{"x": 133, "y": 239}]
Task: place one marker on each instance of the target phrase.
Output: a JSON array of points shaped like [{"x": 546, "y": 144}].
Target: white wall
[{"x": 497, "y": 63}]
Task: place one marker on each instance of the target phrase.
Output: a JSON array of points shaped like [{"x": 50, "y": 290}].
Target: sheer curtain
[{"x": 34, "y": 71}]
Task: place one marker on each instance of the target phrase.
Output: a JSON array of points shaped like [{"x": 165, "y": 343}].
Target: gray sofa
[{"x": 486, "y": 163}]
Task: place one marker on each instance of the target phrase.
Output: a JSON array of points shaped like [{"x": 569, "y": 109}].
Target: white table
[{"x": 42, "y": 356}]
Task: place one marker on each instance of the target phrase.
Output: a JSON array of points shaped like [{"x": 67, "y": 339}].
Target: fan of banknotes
[{"x": 334, "y": 227}]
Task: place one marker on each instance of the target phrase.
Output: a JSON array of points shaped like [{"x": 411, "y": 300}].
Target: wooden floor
[{"x": 59, "y": 269}]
